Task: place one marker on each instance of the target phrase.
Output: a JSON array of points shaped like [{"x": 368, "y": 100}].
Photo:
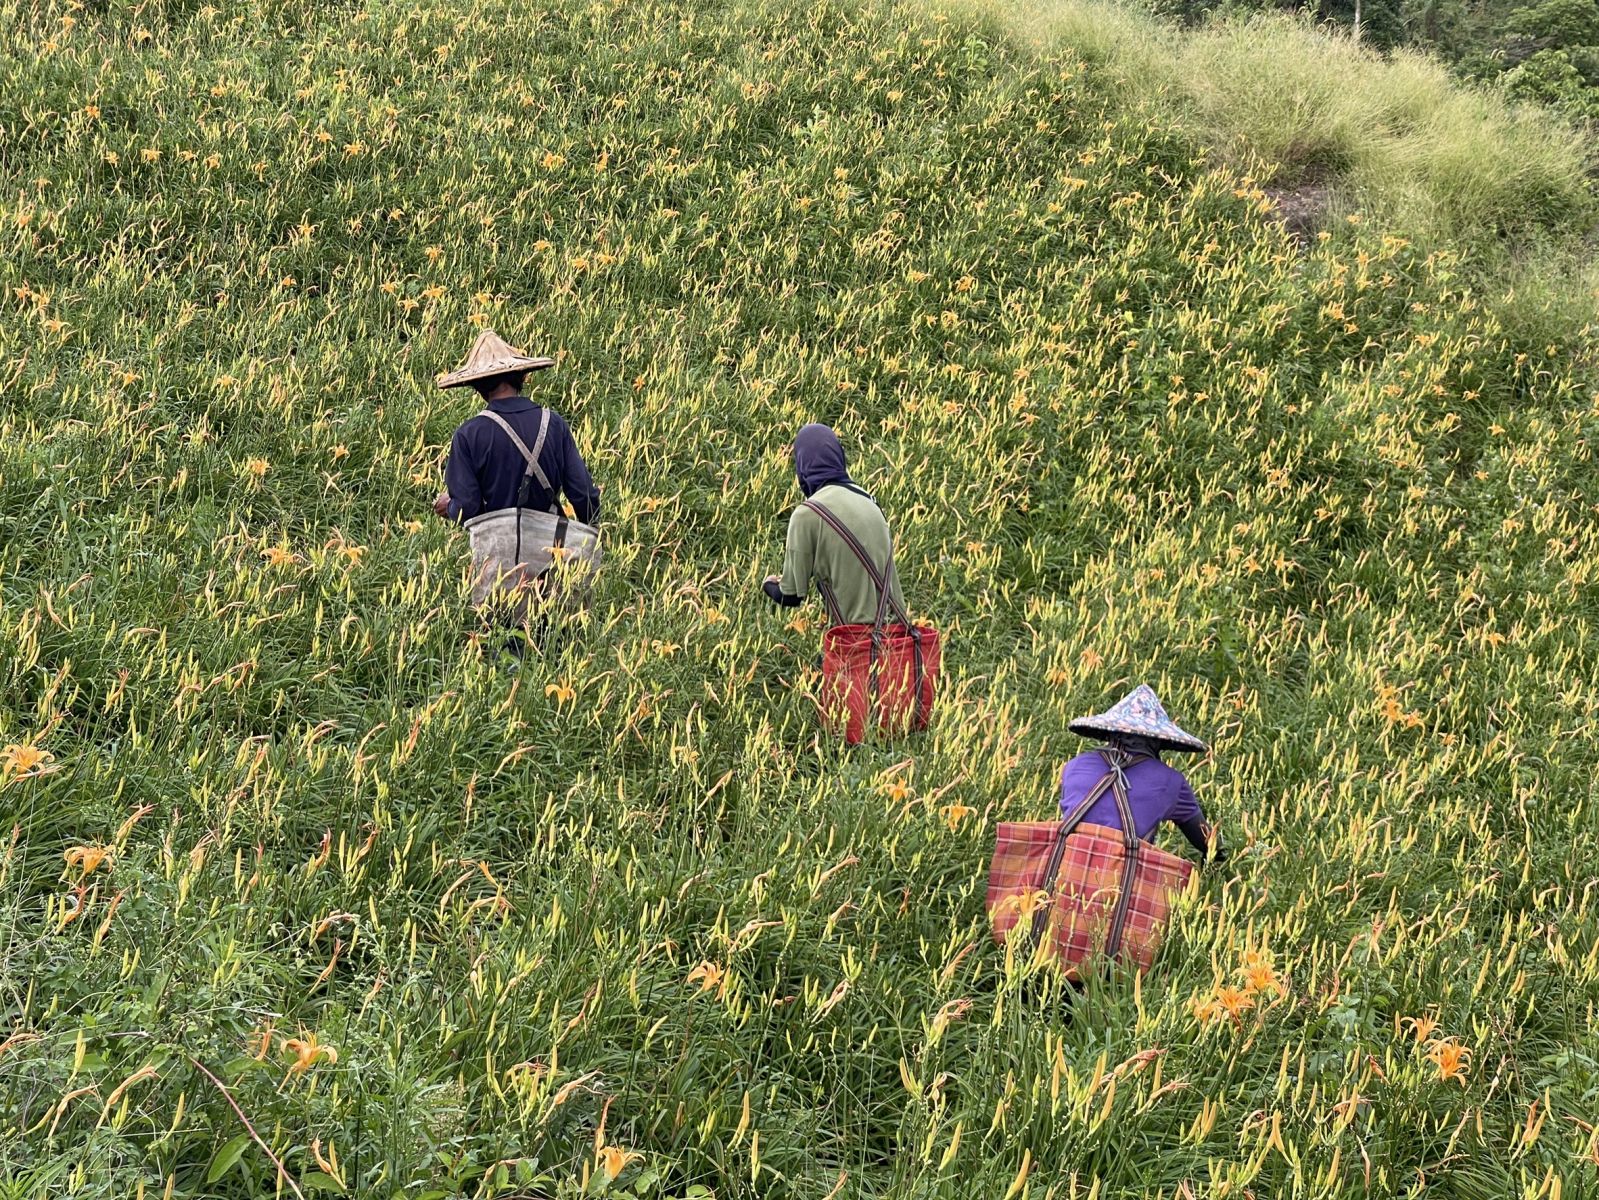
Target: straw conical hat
[
  {"x": 1140, "y": 714},
  {"x": 491, "y": 356}
]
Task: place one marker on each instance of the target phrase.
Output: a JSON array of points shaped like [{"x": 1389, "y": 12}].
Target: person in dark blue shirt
[{"x": 486, "y": 468}]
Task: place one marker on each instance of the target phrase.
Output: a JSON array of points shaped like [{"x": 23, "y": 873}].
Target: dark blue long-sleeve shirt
[{"x": 485, "y": 469}]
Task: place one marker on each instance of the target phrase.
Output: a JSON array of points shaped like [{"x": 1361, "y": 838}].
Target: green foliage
[
  {"x": 621, "y": 922},
  {"x": 1381, "y": 22},
  {"x": 1555, "y": 23},
  {"x": 1443, "y": 26},
  {"x": 1551, "y": 77}
]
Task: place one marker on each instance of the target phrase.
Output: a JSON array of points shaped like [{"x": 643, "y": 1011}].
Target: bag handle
[
  {"x": 530, "y": 457},
  {"x": 885, "y": 599},
  {"x": 1058, "y": 852}
]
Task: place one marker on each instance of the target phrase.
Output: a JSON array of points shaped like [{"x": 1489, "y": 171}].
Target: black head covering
[
  {"x": 1133, "y": 744},
  {"x": 818, "y": 459}
]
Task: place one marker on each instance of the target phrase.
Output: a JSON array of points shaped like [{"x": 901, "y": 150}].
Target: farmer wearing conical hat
[
  {"x": 508, "y": 467},
  {"x": 1134, "y": 734},
  {"x": 486, "y": 466}
]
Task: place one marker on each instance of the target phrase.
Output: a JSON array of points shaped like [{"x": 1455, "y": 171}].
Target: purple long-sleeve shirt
[
  {"x": 485, "y": 469},
  {"x": 1155, "y": 793}
]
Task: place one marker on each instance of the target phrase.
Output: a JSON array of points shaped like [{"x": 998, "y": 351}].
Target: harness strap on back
[
  {"x": 882, "y": 579},
  {"x": 1114, "y": 780},
  {"x": 531, "y": 471},
  {"x": 530, "y": 457}
]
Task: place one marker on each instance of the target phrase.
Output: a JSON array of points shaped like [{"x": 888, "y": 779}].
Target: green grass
[
  {"x": 1395, "y": 138},
  {"x": 1335, "y": 505}
]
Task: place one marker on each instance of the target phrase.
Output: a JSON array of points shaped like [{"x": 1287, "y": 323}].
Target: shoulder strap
[
  {"x": 1075, "y": 818},
  {"x": 1112, "y": 779},
  {"x": 530, "y": 457},
  {"x": 885, "y": 600},
  {"x": 1057, "y": 853},
  {"x": 1119, "y": 762},
  {"x": 829, "y": 598}
]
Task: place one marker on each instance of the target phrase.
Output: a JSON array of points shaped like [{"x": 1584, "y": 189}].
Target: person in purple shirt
[{"x": 1135, "y": 733}]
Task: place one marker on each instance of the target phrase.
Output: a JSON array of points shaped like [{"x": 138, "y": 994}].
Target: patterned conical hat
[
  {"x": 1140, "y": 714},
  {"x": 491, "y": 356}
]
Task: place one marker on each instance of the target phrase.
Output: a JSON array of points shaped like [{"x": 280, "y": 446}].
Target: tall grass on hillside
[
  {"x": 298, "y": 891},
  {"x": 1399, "y": 138}
]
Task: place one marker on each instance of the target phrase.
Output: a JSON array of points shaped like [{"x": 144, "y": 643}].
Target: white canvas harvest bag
[{"x": 513, "y": 547}]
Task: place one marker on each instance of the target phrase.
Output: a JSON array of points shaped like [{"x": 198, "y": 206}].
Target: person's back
[
  {"x": 487, "y": 471},
  {"x": 488, "y": 468},
  {"x": 814, "y": 551},
  {"x": 1155, "y": 793}
]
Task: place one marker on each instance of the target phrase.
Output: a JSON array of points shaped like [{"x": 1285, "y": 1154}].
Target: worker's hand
[
  {"x": 774, "y": 579},
  {"x": 441, "y": 504}
]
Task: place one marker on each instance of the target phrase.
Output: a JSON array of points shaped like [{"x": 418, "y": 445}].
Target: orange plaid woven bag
[{"x": 1085, "y": 891}]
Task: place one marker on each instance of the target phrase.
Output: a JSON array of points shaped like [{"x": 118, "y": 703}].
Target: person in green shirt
[{"x": 816, "y": 552}]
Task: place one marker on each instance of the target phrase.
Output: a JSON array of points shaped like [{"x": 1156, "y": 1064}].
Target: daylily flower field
[{"x": 302, "y": 891}]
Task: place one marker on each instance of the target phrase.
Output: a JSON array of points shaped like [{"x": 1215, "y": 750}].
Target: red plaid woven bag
[
  {"x": 1085, "y": 891},
  {"x": 878, "y": 675}
]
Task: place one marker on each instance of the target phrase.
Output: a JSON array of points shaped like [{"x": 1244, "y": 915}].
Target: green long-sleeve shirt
[{"x": 813, "y": 551}]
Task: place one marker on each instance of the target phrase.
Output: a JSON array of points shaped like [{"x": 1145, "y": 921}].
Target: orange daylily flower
[
  {"x": 1027, "y": 903},
  {"x": 954, "y": 814},
  {"x": 1451, "y": 1059},
  {"x": 1422, "y": 1027},
  {"x": 1261, "y": 978},
  {"x": 1235, "y": 1001},
  {"x": 613, "y": 1160},
  {"x": 1206, "y": 1009},
  {"x": 708, "y": 975},
  {"x": 20, "y": 759},
  {"x": 307, "y": 1052},
  {"x": 88, "y": 859}
]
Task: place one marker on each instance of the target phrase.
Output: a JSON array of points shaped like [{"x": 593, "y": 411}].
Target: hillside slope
[{"x": 1329, "y": 502}]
